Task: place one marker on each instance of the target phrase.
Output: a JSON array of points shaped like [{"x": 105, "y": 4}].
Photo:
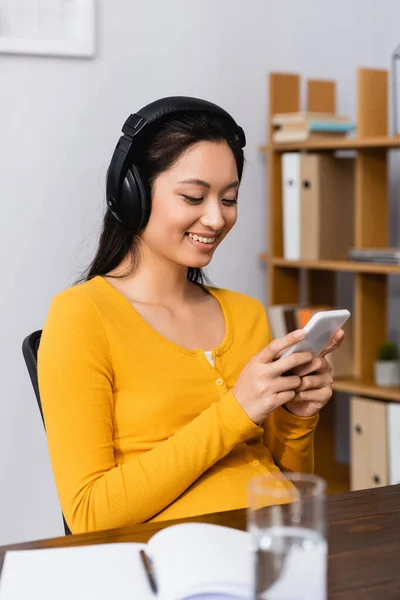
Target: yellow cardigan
[{"x": 141, "y": 429}]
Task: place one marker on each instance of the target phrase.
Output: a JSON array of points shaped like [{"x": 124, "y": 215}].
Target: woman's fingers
[
  {"x": 316, "y": 364},
  {"x": 334, "y": 343},
  {"x": 276, "y": 347},
  {"x": 286, "y": 396},
  {"x": 291, "y": 382},
  {"x": 321, "y": 395},
  {"x": 289, "y": 363},
  {"x": 312, "y": 382}
]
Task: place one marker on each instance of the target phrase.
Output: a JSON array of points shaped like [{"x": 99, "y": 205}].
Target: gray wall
[{"x": 59, "y": 122}]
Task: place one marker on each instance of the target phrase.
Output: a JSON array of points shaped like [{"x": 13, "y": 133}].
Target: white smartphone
[{"x": 319, "y": 330}]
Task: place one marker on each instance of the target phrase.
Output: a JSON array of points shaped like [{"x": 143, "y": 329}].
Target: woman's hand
[
  {"x": 334, "y": 343},
  {"x": 315, "y": 389},
  {"x": 261, "y": 388}
]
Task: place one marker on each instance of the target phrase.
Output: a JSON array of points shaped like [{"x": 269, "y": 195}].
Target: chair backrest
[{"x": 30, "y": 347}]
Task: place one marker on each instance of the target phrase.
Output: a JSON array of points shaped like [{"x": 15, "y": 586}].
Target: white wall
[{"x": 59, "y": 122}]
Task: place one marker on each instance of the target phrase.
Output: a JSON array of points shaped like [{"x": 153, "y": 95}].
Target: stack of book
[
  {"x": 302, "y": 126},
  {"x": 375, "y": 255}
]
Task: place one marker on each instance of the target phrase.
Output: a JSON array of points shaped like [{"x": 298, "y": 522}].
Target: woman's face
[{"x": 194, "y": 205}]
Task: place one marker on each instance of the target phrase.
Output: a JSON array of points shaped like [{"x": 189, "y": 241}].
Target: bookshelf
[
  {"x": 316, "y": 281},
  {"x": 371, "y": 146}
]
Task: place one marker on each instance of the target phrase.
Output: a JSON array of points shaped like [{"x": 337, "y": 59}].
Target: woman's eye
[
  {"x": 191, "y": 199},
  {"x": 194, "y": 200}
]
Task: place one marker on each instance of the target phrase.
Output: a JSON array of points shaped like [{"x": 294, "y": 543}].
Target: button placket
[{"x": 218, "y": 381}]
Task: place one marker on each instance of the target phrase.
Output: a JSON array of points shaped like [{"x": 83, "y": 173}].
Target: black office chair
[{"x": 30, "y": 347}]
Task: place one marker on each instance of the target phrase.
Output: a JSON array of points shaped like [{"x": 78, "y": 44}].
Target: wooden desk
[{"x": 364, "y": 542}]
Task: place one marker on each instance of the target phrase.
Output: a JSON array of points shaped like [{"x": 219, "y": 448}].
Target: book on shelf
[
  {"x": 317, "y": 126},
  {"x": 307, "y": 133},
  {"x": 325, "y": 127},
  {"x": 298, "y": 127},
  {"x": 301, "y": 117},
  {"x": 375, "y": 255},
  {"x": 284, "y": 318},
  {"x": 189, "y": 560},
  {"x": 280, "y": 137}
]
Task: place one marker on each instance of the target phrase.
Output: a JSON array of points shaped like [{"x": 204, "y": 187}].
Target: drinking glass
[{"x": 286, "y": 520}]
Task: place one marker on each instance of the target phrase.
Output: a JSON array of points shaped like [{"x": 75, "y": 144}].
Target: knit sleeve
[
  {"x": 289, "y": 438},
  {"x": 76, "y": 387}
]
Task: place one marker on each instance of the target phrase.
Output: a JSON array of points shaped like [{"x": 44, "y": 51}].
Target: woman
[{"x": 162, "y": 396}]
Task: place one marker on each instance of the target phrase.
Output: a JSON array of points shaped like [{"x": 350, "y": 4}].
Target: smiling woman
[
  {"x": 182, "y": 159},
  {"x": 190, "y": 217},
  {"x": 163, "y": 396}
]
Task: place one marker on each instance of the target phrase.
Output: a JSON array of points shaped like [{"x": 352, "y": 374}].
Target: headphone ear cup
[{"x": 134, "y": 204}]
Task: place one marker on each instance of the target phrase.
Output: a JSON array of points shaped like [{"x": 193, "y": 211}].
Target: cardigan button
[{"x": 219, "y": 381}]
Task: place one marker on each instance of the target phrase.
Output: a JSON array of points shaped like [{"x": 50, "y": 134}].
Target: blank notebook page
[
  {"x": 103, "y": 572},
  {"x": 198, "y": 559}
]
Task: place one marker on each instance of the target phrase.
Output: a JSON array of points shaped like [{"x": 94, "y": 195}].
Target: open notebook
[{"x": 190, "y": 560}]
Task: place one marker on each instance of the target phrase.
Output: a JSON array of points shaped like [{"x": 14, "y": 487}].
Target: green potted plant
[{"x": 387, "y": 365}]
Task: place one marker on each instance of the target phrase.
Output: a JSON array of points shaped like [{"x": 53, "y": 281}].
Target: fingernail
[{"x": 299, "y": 333}]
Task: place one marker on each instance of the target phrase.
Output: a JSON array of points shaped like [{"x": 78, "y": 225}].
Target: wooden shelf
[
  {"x": 383, "y": 142},
  {"x": 366, "y": 388},
  {"x": 315, "y": 282},
  {"x": 333, "y": 265}
]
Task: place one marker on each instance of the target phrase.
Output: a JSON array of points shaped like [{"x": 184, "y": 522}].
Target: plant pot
[{"x": 387, "y": 373}]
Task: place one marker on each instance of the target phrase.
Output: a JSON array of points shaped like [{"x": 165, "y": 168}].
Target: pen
[{"x": 149, "y": 571}]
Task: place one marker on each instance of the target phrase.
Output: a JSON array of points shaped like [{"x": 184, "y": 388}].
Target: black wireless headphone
[{"x": 126, "y": 193}]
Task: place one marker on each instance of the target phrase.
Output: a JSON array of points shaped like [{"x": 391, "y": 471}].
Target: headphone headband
[{"x": 121, "y": 162}]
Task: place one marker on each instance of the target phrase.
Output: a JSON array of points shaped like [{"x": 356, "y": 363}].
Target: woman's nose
[{"x": 213, "y": 216}]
